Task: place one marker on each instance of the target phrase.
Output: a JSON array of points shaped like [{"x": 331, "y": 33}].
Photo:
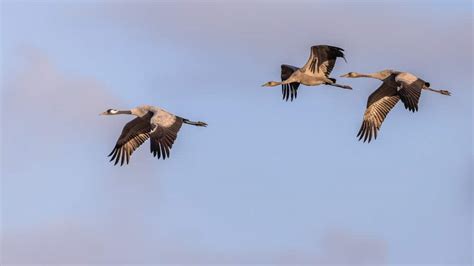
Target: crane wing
[
  {"x": 379, "y": 104},
  {"x": 134, "y": 133},
  {"x": 292, "y": 88},
  {"x": 322, "y": 59},
  {"x": 409, "y": 89},
  {"x": 165, "y": 130}
]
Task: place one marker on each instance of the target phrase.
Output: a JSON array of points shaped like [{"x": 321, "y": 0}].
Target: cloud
[
  {"x": 344, "y": 247},
  {"x": 70, "y": 242},
  {"x": 250, "y": 29},
  {"x": 47, "y": 113},
  {"x": 58, "y": 189}
]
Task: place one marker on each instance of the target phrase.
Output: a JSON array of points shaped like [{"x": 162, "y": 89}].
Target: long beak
[
  {"x": 103, "y": 113},
  {"x": 264, "y": 85}
]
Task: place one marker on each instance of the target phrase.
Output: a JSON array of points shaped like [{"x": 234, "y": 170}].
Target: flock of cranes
[{"x": 161, "y": 126}]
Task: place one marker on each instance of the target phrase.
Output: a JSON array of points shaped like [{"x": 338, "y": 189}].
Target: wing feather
[
  {"x": 379, "y": 104},
  {"x": 166, "y": 132},
  {"x": 322, "y": 60},
  {"x": 409, "y": 90},
  {"x": 133, "y": 135},
  {"x": 288, "y": 89}
]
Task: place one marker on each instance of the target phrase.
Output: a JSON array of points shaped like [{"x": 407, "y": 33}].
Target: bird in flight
[
  {"x": 151, "y": 122},
  {"x": 396, "y": 85},
  {"x": 315, "y": 72}
]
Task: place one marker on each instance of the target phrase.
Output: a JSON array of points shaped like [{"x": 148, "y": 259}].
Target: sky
[{"x": 268, "y": 181}]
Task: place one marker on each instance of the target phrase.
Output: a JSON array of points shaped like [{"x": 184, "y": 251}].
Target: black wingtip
[{"x": 336, "y": 48}]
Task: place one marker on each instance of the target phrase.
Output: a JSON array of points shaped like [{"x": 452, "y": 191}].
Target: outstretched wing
[
  {"x": 322, "y": 59},
  {"x": 409, "y": 89},
  {"x": 164, "y": 132},
  {"x": 134, "y": 133},
  {"x": 379, "y": 104},
  {"x": 288, "y": 89}
]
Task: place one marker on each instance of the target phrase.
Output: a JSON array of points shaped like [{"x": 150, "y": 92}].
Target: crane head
[{"x": 109, "y": 112}]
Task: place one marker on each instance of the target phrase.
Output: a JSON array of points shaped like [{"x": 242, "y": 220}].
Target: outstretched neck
[
  {"x": 272, "y": 84},
  {"x": 372, "y": 75},
  {"x": 124, "y": 112}
]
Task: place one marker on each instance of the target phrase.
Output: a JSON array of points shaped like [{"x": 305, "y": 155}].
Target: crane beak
[{"x": 103, "y": 113}]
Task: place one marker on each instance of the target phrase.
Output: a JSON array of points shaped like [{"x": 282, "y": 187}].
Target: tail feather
[
  {"x": 198, "y": 123},
  {"x": 332, "y": 79}
]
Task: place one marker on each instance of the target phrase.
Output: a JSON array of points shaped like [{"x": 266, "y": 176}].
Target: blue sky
[{"x": 268, "y": 181}]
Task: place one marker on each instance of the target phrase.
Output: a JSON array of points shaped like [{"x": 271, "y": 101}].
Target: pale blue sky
[{"x": 268, "y": 181}]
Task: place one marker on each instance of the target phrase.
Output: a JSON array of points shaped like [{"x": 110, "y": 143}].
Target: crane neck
[
  {"x": 376, "y": 75},
  {"x": 124, "y": 112}
]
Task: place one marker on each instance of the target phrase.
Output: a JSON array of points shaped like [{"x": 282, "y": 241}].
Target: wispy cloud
[
  {"x": 70, "y": 242},
  {"x": 49, "y": 115}
]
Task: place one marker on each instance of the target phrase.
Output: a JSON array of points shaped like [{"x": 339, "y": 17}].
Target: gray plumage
[
  {"x": 396, "y": 86},
  {"x": 315, "y": 72},
  {"x": 154, "y": 123}
]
